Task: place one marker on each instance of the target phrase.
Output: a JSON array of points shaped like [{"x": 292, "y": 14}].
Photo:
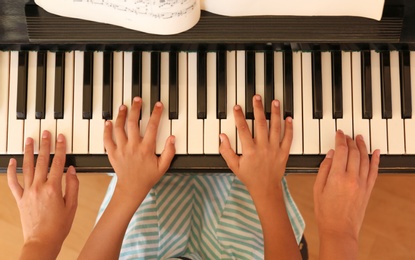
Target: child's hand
[
  {"x": 343, "y": 187},
  {"x": 46, "y": 214},
  {"x": 262, "y": 163},
  {"x": 133, "y": 156}
]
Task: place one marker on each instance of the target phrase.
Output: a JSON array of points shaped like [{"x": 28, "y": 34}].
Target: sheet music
[
  {"x": 151, "y": 16},
  {"x": 176, "y": 16},
  {"x": 372, "y": 9}
]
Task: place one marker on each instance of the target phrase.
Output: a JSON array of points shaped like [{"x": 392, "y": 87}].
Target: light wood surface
[{"x": 388, "y": 231}]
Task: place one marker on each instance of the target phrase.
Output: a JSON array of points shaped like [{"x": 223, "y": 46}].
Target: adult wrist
[{"x": 38, "y": 249}]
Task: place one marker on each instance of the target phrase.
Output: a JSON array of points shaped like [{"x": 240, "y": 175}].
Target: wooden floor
[{"x": 388, "y": 232}]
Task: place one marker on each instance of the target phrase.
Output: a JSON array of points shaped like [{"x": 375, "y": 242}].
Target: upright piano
[{"x": 69, "y": 76}]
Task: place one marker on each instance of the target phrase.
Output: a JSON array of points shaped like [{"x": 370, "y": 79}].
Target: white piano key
[
  {"x": 117, "y": 92},
  {"x": 260, "y": 78},
  {"x": 346, "y": 123},
  {"x": 396, "y": 134},
  {"x": 146, "y": 101},
  {"x": 378, "y": 132},
  {"x": 97, "y": 123},
  {"x": 179, "y": 126},
  {"x": 297, "y": 143},
  {"x": 195, "y": 126},
  {"x": 4, "y": 98},
  {"x": 311, "y": 125},
  {"x": 240, "y": 87},
  {"x": 228, "y": 125},
  {"x": 49, "y": 123},
  {"x": 164, "y": 127},
  {"x": 15, "y": 137},
  {"x": 127, "y": 80},
  {"x": 410, "y": 123},
  {"x": 211, "y": 125},
  {"x": 80, "y": 136},
  {"x": 32, "y": 125},
  {"x": 64, "y": 126},
  {"x": 360, "y": 126},
  {"x": 279, "y": 85},
  {"x": 327, "y": 124}
]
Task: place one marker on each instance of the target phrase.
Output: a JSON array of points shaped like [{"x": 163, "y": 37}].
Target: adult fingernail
[
  {"x": 340, "y": 131},
  {"x": 276, "y": 103},
  {"x": 158, "y": 104},
  {"x": 71, "y": 170},
  {"x": 122, "y": 108},
  {"x": 137, "y": 99},
  {"x": 330, "y": 154},
  {"x": 29, "y": 141},
  {"x": 257, "y": 97},
  {"x": 237, "y": 107},
  {"x": 45, "y": 134}
]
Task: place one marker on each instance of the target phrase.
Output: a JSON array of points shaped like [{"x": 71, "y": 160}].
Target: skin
[
  {"x": 46, "y": 213},
  {"x": 138, "y": 169},
  {"x": 341, "y": 193},
  {"x": 261, "y": 168}
]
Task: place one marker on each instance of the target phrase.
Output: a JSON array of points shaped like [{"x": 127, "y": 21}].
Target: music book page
[{"x": 176, "y": 16}]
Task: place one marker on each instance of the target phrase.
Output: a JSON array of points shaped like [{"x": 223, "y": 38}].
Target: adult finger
[
  {"x": 323, "y": 173},
  {"x": 71, "y": 190},
  {"x": 373, "y": 171},
  {"x": 261, "y": 128},
  {"x": 275, "y": 128},
  {"x": 353, "y": 161},
  {"x": 245, "y": 134},
  {"x": 119, "y": 126},
  {"x": 28, "y": 163},
  {"x": 12, "y": 180},
  {"x": 364, "y": 157},
  {"x": 167, "y": 155},
  {"x": 288, "y": 136},
  {"x": 225, "y": 149},
  {"x": 152, "y": 126},
  {"x": 340, "y": 152},
  {"x": 58, "y": 162},
  {"x": 42, "y": 163},
  {"x": 133, "y": 128},
  {"x": 108, "y": 141}
]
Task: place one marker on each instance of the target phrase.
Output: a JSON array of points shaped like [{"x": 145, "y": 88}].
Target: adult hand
[
  {"x": 46, "y": 214},
  {"x": 341, "y": 193}
]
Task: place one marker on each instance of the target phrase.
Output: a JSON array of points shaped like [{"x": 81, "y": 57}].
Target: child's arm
[
  {"x": 261, "y": 168},
  {"x": 341, "y": 193},
  {"x": 138, "y": 169},
  {"x": 46, "y": 212}
]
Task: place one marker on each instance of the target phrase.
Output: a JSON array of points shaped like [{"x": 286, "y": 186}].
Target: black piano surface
[{"x": 26, "y": 27}]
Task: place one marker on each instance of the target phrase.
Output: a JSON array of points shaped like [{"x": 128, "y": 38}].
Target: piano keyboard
[{"x": 73, "y": 93}]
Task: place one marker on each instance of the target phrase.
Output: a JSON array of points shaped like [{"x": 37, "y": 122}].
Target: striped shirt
[{"x": 198, "y": 217}]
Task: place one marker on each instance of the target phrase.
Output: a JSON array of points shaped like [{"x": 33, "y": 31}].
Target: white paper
[
  {"x": 363, "y": 8},
  {"x": 150, "y": 16},
  {"x": 176, "y": 16}
]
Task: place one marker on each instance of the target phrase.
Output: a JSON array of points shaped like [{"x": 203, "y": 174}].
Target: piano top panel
[{"x": 25, "y": 26}]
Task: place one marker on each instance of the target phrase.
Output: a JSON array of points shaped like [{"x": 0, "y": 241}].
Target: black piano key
[
  {"x": 155, "y": 79},
  {"x": 405, "y": 78},
  {"x": 173, "y": 86},
  {"x": 201, "y": 85},
  {"x": 336, "y": 70},
  {"x": 386, "y": 88},
  {"x": 288, "y": 85},
  {"x": 269, "y": 82},
  {"x": 367, "y": 108},
  {"x": 87, "y": 87},
  {"x": 249, "y": 83},
  {"x": 107, "y": 86},
  {"x": 136, "y": 74},
  {"x": 221, "y": 85},
  {"x": 317, "y": 86},
  {"x": 59, "y": 85},
  {"x": 22, "y": 86},
  {"x": 41, "y": 85}
]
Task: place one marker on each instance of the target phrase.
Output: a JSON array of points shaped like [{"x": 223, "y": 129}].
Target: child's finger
[{"x": 228, "y": 154}]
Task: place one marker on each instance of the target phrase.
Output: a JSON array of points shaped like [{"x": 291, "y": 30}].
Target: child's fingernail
[{"x": 60, "y": 138}]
